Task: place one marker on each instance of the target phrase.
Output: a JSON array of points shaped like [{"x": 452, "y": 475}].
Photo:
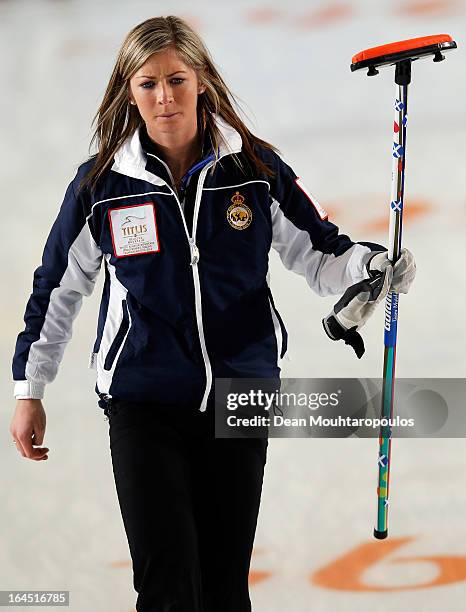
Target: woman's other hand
[
  {"x": 28, "y": 428},
  {"x": 404, "y": 272},
  {"x": 404, "y": 269}
]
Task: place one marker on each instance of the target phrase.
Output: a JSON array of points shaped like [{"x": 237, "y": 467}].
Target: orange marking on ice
[
  {"x": 323, "y": 16},
  {"x": 263, "y": 15},
  {"x": 452, "y": 568},
  {"x": 346, "y": 572},
  {"x": 258, "y": 576},
  {"x": 422, "y": 7},
  {"x": 412, "y": 209}
]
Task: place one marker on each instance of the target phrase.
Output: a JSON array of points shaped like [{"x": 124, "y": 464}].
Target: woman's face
[{"x": 165, "y": 91}]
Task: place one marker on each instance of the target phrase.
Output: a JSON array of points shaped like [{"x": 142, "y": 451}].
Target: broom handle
[{"x": 402, "y": 80}]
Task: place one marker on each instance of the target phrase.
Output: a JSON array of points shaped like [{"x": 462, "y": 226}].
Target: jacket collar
[{"x": 131, "y": 159}]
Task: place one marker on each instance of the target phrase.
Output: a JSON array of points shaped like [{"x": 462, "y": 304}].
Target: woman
[{"x": 182, "y": 203}]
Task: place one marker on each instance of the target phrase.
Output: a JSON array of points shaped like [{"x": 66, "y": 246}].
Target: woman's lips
[{"x": 170, "y": 116}]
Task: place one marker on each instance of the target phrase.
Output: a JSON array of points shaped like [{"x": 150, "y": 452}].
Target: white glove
[
  {"x": 404, "y": 272},
  {"x": 404, "y": 269},
  {"x": 359, "y": 301}
]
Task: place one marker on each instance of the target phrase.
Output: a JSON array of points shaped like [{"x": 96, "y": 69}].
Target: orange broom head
[{"x": 413, "y": 44}]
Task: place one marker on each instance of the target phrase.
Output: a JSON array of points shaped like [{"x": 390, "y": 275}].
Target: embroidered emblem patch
[
  {"x": 320, "y": 211},
  {"x": 239, "y": 215},
  {"x": 134, "y": 230}
]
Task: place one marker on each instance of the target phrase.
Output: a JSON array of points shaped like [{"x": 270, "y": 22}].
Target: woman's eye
[{"x": 150, "y": 84}]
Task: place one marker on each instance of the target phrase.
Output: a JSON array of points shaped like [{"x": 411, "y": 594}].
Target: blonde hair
[{"x": 117, "y": 119}]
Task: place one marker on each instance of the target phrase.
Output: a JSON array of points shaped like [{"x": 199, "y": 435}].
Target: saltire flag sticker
[
  {"x": 398, "y": 150},
  {"x": 383, "y": 460},
  {"x": 320, "y": 211}
]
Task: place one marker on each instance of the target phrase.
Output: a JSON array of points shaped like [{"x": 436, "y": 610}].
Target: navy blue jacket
[{"x": 186, "y": 296}]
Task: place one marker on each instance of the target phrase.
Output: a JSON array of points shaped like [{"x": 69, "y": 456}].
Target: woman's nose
[{"x": 164, "y": 93}]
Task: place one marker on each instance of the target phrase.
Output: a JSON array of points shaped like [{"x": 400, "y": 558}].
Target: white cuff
[{"x": 28, "y": 389}]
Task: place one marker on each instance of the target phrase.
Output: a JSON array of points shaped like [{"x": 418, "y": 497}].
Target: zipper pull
[{"x": 195, "y": 255}]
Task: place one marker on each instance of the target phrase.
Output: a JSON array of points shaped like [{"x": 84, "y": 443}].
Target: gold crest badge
[{"x": 239, "y": 215}]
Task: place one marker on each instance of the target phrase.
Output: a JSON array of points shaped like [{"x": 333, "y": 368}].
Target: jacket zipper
[{"x": 195, "y": 256}]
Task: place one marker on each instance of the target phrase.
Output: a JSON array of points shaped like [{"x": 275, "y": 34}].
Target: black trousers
[{"x": 189, "y": 504}]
